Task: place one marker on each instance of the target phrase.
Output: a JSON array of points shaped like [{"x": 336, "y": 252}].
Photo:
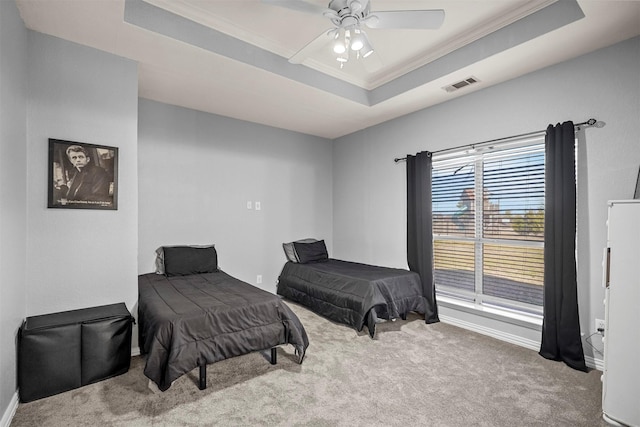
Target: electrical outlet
[
  {"x": 600, "y": 326},
  {"x": 259, "y": 278}
]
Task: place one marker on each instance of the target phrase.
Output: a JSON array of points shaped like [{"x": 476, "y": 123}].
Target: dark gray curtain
[
  {"x": 419, "y": 231},
  {"x": 561, "y": 325}
]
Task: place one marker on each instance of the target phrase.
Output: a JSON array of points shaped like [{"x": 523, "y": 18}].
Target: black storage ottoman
[{"x": 62, "y": 351}]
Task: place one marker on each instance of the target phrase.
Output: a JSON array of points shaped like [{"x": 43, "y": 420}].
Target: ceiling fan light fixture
[
  {"x": 357, "y": 42},
  {"x": 340, "y": 42},
  {"x": 349, "y": 16},
  {"x": 364, "y": 47},
  {"x": 366, "y": 50}
]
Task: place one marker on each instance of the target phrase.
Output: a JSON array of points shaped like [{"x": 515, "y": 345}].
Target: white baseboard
[
  {"x": 594, "y": 363},
  {"x": 494, "y": 333},
  {"x": 10, "y": 411},
  {"x": 510, "y": 338}
]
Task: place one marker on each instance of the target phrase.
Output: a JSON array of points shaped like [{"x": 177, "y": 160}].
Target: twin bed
[
  {"x": 193, "y": 314},
  {"x": 346, "y": 292}
]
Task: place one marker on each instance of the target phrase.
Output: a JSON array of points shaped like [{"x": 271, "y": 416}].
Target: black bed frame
[{"x": 202, "y": 382}]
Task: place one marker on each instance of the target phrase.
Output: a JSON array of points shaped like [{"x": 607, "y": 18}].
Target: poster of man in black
[{"x": 83, "y": 176}]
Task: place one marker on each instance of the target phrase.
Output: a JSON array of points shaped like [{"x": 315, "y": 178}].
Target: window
[{"x": 488, "y": 225}]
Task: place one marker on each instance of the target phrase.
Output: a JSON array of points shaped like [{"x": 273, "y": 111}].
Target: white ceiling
[{"x": 230, "y": 57}]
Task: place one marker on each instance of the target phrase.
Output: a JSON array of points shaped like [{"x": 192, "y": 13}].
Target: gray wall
[
  {"x": 369, "y": 188},
  {"x": 197, "y": 172},
  {"x": 13, "y": 194},
  {"x": 60, "y": 259},
  {"x": 80, "y": 258}
]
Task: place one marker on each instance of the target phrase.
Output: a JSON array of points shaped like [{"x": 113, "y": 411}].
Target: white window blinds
[{"x": 488, "y": 224}]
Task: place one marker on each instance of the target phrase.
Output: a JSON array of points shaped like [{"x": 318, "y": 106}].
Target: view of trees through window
[{"x": 491, "y": 252}]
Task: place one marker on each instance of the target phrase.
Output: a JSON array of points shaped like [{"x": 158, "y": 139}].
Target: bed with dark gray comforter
[
  {"x": 352, "y": 293},
  {"x": 192, "y": 320}
]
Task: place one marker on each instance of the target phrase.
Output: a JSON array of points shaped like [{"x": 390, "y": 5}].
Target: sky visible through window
[{"x": 506, "y": 184}]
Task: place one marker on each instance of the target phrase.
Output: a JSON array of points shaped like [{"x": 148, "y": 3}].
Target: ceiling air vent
[{"x": 461, "y": 84}]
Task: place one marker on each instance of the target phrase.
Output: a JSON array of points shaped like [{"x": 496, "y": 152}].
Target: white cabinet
[{"x": 621, "y": 378}]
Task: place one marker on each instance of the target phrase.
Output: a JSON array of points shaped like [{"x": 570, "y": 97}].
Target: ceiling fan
[{"x": 348, "y": 18}]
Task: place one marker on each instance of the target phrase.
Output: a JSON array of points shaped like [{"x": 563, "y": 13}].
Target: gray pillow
[
  {"x": 290, "y": 250},
  {"x": 311, "y": 252},
  {"x": 188, "y": 260},
  {"x": 160, "y": 268}
]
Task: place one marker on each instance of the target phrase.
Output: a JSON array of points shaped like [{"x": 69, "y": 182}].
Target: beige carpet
[{"x": 411, "y": 374}]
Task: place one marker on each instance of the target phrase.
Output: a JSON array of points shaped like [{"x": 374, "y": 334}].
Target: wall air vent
[{"x": 461, "y": 84}]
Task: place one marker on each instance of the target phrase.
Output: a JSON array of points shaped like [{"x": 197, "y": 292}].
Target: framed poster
[{"x": 82, "y": 176}]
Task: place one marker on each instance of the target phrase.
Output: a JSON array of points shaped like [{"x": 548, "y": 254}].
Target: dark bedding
[
  {"x": 352, "y": 293},
  {"x": 187, "y": 321}
]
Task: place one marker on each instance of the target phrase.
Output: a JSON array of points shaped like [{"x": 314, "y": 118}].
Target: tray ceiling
[{"x": 231, "y": 57}]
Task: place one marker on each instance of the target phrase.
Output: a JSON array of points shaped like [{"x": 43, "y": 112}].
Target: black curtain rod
[{"x": 589, "y": 122}]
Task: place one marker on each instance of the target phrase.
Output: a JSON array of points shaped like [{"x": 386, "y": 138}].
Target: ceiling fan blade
[
  {"x": 299, "y": 5},
  {"x": 406, "y": 19},
  {"x": 312, "y": 46},
  {"x": 358, "y": 6}
]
